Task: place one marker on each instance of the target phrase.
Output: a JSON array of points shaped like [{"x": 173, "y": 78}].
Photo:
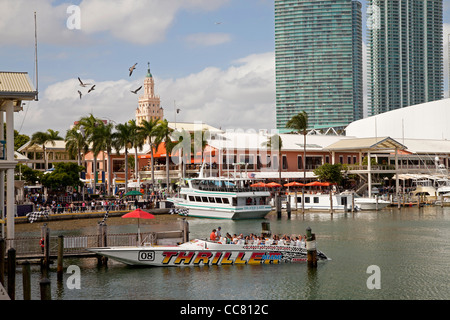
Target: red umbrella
[
  {"x": 314, "y": 184},
  {"x": 258, "y": 185},
  {"x": 273, "y": 184},
  {"x": 294, "y": 184},
  {"x": 139, "y": 214}
]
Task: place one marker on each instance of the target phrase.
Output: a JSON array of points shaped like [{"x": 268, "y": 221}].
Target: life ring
[{"x": 41, "y": 242}]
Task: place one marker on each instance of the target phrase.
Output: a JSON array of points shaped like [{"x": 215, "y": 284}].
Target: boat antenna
[{"x": 36, "y": 58}]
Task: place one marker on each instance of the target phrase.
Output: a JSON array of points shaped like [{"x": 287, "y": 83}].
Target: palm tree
[
  {"x": 137, "y": 141},
  {"x": 149, "y": 130},
  {"x": 163, "y": 135},
  {"x": 275, "y": 143},
  {"x": 300, "y": 124},
  {"x": 76, "y": 143},
  {"x": 121, "y": 139},
  {"x": 42, "y": 138},
  {"x": 90, "y": 125},
  {"x": 102, "y": 138}
]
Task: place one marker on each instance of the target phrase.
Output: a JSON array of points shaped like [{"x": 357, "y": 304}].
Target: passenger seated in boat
[{"x": 212, "y": 236}]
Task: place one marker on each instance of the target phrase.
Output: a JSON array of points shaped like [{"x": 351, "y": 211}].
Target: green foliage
[
  {"x": 28, "y": 174},
  {"x": 330, "y": 172},
  {"x": 64, "y": 175}
]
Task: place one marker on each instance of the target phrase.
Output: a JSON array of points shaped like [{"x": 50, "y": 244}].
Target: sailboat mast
[{"x": 36, "y": 58}]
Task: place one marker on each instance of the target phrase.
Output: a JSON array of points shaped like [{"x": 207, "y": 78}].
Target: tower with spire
[{"x": 149, "y": 107}]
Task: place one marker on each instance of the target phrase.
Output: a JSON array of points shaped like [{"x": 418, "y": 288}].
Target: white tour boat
[
  {"x": 221, "y": 198},
  {"x": 200, "y": 252},
  {"x": 340, "y": 202},
  {"x": 371, "y": 203}
]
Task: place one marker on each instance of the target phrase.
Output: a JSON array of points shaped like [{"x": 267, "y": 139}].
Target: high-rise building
[
  {"x": 405, "y": 53},
  {"x": 318, "y": 57},
  {"x": 149, "y": 107}
]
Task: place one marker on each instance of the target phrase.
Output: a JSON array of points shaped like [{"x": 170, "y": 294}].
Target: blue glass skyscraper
[{"x": 318, "y": 57}]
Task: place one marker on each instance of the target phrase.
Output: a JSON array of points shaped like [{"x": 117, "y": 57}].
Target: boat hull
[
  {"x": 205, "y": 253},
  {"x": 371, "y": 204},
  {"x": 251, "y": 212}
]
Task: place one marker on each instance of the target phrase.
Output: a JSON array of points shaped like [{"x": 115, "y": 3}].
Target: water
[{"x": 411, "y": 247}]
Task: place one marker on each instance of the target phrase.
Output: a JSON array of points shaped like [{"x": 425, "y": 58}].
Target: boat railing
[
  {"x": 230, "y": 189},
  {"x": 269, "y": 242}
]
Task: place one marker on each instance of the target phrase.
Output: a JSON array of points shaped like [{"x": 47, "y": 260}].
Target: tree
[
  {"x": 329, "y": 172},
  {"x": 299, "y": 123},
  {"x": 28, "y": 174},
  {"x": 76, "y": 144},
  {"x": 275, "y": 142},
  {"x": 149, "y": 130},
  {"x": 122, "y": 139},
  {"x": 65, "y": 174},
  {"x": 163, "y": 135},
  {"x": 137, "y": 140},
  {"x": 102, "y": 136},
  {"x": 89, "y": 125},
  {"x": 42, "y": 138}
]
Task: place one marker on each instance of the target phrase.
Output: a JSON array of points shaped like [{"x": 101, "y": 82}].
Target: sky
[{"x": 212, "y": 59}]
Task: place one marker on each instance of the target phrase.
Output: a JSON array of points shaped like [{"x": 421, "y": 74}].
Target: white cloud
[
  {"x": 241, "y": 96},
  {"x": 134, "y": 21},
  {"x": 208, "y": 39}
]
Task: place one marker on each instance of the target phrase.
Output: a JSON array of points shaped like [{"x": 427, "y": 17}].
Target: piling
[
  {"x": 295, "y": 201},
  {"x": 331, "y": 202},
  {"x": 353, "y": 202},
  {"x": 102, "y": 242},
  {"x": 2, "y": 260},
  {"x": 45, "y": 289},
  {"x": 278, "y": 205},
  {"x": 265, "y": 226},
  {"x": 311, "y": 248},
  {"x": 288, "y": 207},
  {"x": 12, "y": 273},
  {"x": 45, "y": 235},
  {"x": 59, "y": 269},
  {"x": 26, "y": 280}
]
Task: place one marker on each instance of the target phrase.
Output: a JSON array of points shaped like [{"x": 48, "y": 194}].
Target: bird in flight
[
  {"x": 132, "y": 69},
  {"x": 92, "y": 88},
  {"x": 82, "y": 83},
  {"x": 79, "y": 92},
  {"x": 135, "y": 91}
]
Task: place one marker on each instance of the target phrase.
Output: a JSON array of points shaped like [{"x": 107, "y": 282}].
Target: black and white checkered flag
[
  {"x": 104, "y": 217},
  {"x": 181, "y": 212},
  {"x": 34, "y": 216}
]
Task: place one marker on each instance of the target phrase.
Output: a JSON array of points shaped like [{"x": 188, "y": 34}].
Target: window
[
  {"x": 211, "y": 199},
  {"x": 284, "y": 162},
  {"x": 299, "y": 162},
  {"x": 307, "y": 200},
  {"x": 219, "y": 200},
  {"x": 248, "y": 159},
  {"x": 275, "y": 162},
  {"x": 191, "y": 198},
  {"x": 197, "y": 198},
  {"x": 205, "y": 199},
  {"x": 316, "y": 199},
  {"x": 225, "y": 200}
]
